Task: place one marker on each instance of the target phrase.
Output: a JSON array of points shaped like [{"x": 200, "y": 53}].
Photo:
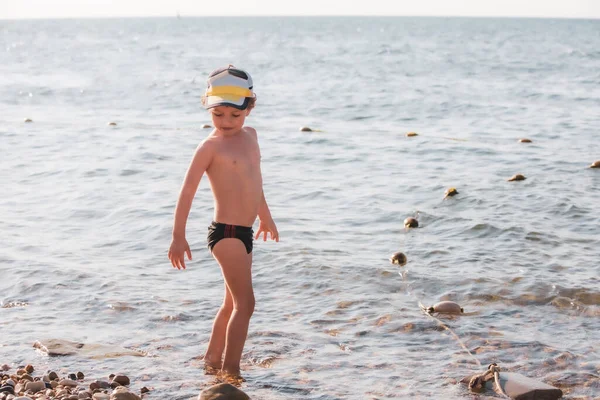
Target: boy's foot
[
  {"x": 234, "y": 379},
  {"x": 210, "y": 369}
]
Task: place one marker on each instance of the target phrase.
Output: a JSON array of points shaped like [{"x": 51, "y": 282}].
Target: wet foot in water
[{"x": 234, "y": 379}]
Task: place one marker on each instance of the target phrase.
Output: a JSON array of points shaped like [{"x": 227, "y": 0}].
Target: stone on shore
[
  {"x": 122, "y": 393},
  {"x": 223, "y": 391},
  {"x": 35, "y": 386}
]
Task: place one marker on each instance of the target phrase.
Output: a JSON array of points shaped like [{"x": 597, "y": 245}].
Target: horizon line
[{"x": 179, "y": 16}]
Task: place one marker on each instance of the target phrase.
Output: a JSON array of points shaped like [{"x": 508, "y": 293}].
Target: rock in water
[
  {"x": 450, "y": 192},
  {"x": 60, "y": 347},
  {"x": 517, "y": 177},
  {"x": 595, "y": 164},
  {"x": 412, "y": 134},
  {"x": 398, "y": 258},
  {"x": 305, "y": 129},
  {"x": 223, "y": 391},
  {"x": 121, "y": 380},
  {"x": 411, "y": 223},
  {"x": 521, "y": 387},
  {"x": 446, "y": 307}
]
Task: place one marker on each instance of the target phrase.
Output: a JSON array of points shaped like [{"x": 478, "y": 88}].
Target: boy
[{"x": 230, "y": 156}]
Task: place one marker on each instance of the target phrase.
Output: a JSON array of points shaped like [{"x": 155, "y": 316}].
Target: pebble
[
  {"x": 121, "y": 393},
  {"x": 524, "y": 140},
  {"x": 305, "y": 129},
  {"x": 28, "y": 120},
  {"x": 35, "y": 386},
  {"x": 595, "y": 164},
  {"x": 7, "y": 389},
  {"x": 112, "y": 124},
  {"x": 412, "y": 134},
  {"x": 49, "y": 386},
  {"x": 206, "y": 126},
  {"x": 121, "y": 379}
]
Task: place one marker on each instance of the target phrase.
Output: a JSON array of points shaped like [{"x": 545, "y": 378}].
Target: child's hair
[{"x": 251, "y": 102}]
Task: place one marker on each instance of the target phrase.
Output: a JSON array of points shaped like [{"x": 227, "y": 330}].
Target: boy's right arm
[{"x": 199, "y": 164}]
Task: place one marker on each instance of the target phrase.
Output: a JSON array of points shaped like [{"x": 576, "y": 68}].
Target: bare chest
[{"x": 238, "y": 156}]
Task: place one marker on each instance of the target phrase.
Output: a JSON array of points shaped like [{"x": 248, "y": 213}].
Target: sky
[{"x": 16, "y": 9}]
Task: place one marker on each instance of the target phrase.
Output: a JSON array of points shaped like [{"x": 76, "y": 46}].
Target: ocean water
[{"x": 86, "y": 208}]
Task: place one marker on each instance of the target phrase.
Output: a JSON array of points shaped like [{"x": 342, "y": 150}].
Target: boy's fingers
[{"x": 189, "y": 253}]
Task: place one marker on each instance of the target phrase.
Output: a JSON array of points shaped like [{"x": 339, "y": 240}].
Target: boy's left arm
[{"x": 266, "y": 223}]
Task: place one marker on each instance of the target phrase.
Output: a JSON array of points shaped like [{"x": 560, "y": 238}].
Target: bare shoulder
[
  {"x": 251, "y": 131},
  {"x": 208, "y": 145},
  {"x": 210, "y": 141}
]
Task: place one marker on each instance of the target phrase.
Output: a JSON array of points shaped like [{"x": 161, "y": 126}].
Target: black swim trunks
[{"x": 218, "y": 231}]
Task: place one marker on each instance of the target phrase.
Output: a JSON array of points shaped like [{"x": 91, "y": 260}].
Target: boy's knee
[
  {"x": 246, "y": 306},
  {"x": 227, "y": 308}
]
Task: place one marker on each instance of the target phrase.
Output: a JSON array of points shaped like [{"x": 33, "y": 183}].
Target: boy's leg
[
  {"x": 216, "y": 345},
  {"x": 236, "y": 265}
]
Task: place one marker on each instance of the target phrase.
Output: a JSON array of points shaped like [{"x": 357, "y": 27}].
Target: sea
[{"x": 86, "y": 209}]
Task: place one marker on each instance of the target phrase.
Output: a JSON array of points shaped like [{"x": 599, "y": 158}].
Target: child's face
[{"x": 228, "y": 120}]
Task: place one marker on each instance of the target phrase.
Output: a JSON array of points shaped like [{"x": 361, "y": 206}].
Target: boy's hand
[
  {"x": 179, "y": 247},
  {"x": 265, "y": 227}
]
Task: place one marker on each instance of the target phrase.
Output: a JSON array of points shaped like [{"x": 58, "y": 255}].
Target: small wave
[
  {"x": 129, "y": 172},
  {"x": 175, "y": 318},
  {"x": 121, "y": 307}
]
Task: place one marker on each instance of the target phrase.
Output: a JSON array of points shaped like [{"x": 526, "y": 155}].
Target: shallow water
[{"x": 86, "y": 212}]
